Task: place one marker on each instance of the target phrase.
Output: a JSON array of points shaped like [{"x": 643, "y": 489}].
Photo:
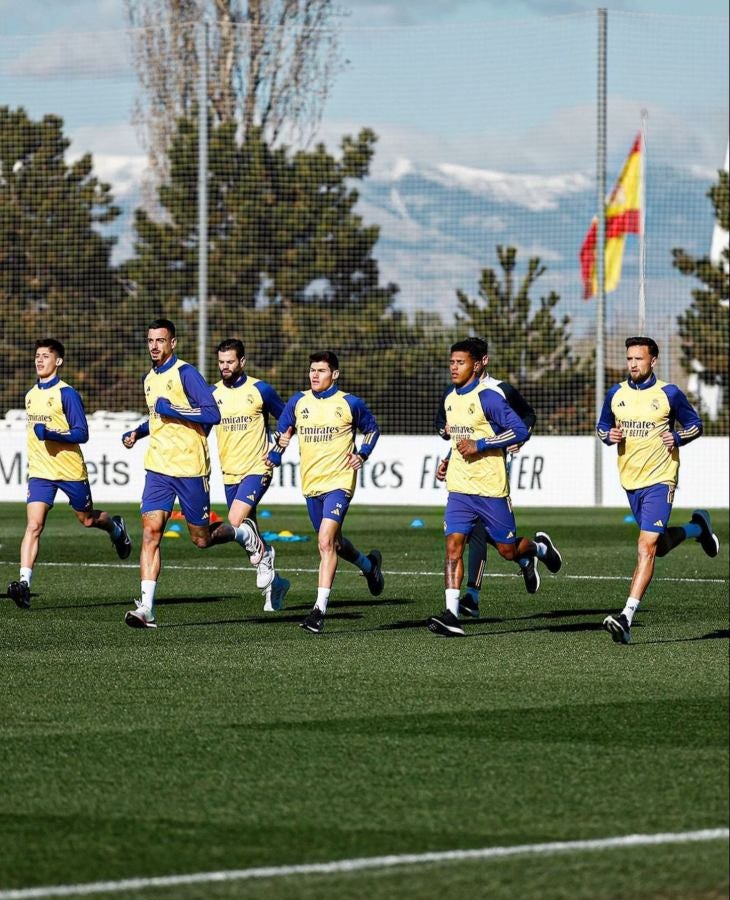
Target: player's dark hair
[
  {"x": 481, "y": 347},
  {"x": 328, "y": 356},
  {"x": 643, "y": 342},
  {"x": 232, "y": 344},
  {"x": 467, "y": 346},
  {"x": 162, "y": 323},
  {"x": 51, "y": 344}
]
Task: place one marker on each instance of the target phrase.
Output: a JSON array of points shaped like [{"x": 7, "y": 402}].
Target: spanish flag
[{"x": 623, "y": 216}]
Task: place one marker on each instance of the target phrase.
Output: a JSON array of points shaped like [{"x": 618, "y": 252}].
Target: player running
[
  {"x": 649, "y": 420},
  {"x": 181, "y": 412},
  {"x": 326, "y": 420},
  {"x": 56, "y": 427},
  {"x": 242, "y": 436}
]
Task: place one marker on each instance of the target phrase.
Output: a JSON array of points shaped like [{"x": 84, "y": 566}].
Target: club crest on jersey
[
  {"x": 338, "y": 412},
  {"x": 655, "y": 404},
  {"x": 472, "y": 409},
  {"x": 169, "y": 385},
  {"x": 250, "y": 399}
]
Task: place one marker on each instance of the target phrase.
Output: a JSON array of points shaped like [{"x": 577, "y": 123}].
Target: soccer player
[
  {"x": 481, "y": 425},
  {"x": 56, "y": 426},
  {"x": 469, "y": 602},
  {"x": 181, "y": 412},
  {"x": 242, "y": 435},
  {"x": 649, "y": 420},
  {"x": 326, "y": 421}
]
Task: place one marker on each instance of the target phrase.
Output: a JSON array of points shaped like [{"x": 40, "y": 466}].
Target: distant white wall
[{"x": 549, "y": 471}]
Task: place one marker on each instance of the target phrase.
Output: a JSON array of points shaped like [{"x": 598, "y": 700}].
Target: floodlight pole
[
  {"x": 600, "y": 248},
  {"x": 202, "y": 197}
]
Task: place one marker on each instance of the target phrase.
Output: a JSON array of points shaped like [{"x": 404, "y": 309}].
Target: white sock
[
  {"x": 323, "y": 596},
  {"x": 632, "y": 604},
  {"x": 148, "y": 595},
  {"x": 452, "y": 600},
  {"x": 246, "y": 537},
  {"x": 26, "y": 575}
]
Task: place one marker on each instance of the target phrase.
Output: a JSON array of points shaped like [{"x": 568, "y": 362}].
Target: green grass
[{"x": 230, "y": 738}]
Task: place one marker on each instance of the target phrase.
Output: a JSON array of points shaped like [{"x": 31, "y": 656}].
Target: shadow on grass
[
  {"x": 272, "y": 619},
  {"x": 720, "y": 634},
  {"x": 168, "y": 601}
]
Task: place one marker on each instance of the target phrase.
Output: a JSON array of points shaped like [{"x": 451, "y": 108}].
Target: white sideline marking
[
  {"x": 350, "y": 571},
  {"x": 373, "y": 862}
]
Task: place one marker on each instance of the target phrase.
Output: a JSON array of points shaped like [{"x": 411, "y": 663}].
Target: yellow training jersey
[
  {"x": 326, "y": 424},
  {"x": 242, "y": 434},
  {"x": 176, "y": 447},
  {"x": 644, "y": 412},
  {"x": 480, "y": 412},
  {"x": 52, "y": 404}
]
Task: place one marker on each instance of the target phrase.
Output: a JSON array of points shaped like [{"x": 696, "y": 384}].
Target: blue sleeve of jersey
[
  {"x": 510, "y": 429},
  {"x": 685, "y": 422},
  {"x": 287, "y": 420},
  {"x": 73, "y": 409},
  {"x": 440, "y": 421},
  {"x": 607, "y": 420},
  {"x": 365, "y": 422},
  {"x": 203, "y": 408},
  {"x": 273, "y": 404}
]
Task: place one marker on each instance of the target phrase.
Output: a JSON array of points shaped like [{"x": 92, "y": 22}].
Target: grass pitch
[{"x": 230, "y": 738}]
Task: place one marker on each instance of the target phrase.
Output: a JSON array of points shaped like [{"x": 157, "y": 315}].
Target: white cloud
[{"x": 74, "y": 55}]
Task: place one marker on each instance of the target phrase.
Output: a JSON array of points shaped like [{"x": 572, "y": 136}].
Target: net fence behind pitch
[{"x": 482, "y": 137}]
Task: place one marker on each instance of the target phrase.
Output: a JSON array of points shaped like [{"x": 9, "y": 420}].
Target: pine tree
[
  {"x": 529, "y": 346},
  {"x": 56, "y": 276},
  {"x": 703, "y": 327}
]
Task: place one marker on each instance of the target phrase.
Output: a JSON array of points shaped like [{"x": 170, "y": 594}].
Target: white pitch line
[
  {"x": 373, "y": 862},
  {"x": 350, "y": 571}
]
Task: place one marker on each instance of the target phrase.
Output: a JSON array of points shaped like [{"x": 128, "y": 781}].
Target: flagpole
[
  {"x": 600, "y": 248},
  {"x": 642, "y": 224}
]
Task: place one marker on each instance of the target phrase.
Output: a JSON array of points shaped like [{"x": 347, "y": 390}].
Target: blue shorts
[
  {"x": 160, "y": 492},
  {"x": 464, "y": 511},
  {"x": 652, "y": 506},
  {"x": 42, "y": 490},
  {"x": 249, "y": 490},
  {"x": 333, "y": 505}
]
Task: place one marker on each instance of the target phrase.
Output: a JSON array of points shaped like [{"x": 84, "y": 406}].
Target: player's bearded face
[
  {"x": 230, "y": 366},
  {"x": 640, "y": 363}
]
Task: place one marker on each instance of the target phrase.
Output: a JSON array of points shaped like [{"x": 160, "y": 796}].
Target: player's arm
[
  {"x": 365, "y": 422},
  {"x": 285, "y": 428},
  {"x": 203, "y": 409},
  {"x": 130, "y": 438},
  {"x": 606, "y": 427},
  {"x": 78, "y": 428},
  {"x": 508, "y": 427},
  {"x": 520, "y": 406},
  {"x": 439, "y": 422},
  {"x": 273, "y": 404},
  {"x": 685, "y": 423}
]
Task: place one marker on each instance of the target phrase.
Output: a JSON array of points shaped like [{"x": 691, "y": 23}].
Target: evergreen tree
[
  {"x": 290, "y": 266},
  {"x": 703, "y": 327},
  {"x": 529, "y": 346},
  {"x": 56, "y": 277}
]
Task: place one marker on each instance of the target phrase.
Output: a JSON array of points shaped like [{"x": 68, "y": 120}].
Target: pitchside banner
[{"x": 548, "y": 471}]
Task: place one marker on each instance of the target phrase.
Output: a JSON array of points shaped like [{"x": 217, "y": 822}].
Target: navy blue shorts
[
  {"x": 248, "y": 490},
  {"x": 464, "y": 511},
  {"x": 333, "y": 505},
  {"x": 42, "y": 490},
  {"x": 160, "y": 492},
  {"x": 652, "y": 506}
]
